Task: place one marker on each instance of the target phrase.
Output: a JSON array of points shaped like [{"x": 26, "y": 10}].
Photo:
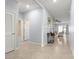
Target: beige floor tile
[{"x": 58, "y": 50}]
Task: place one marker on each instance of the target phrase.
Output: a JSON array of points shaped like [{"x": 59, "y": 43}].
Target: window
[{"x": 60, "y": 28}]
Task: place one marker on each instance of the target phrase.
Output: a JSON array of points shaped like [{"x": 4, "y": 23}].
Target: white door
[{"x": 9, "y": 31}]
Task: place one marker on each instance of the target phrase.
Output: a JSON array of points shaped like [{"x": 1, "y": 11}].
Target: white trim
[{"x": 7, "y": 10}]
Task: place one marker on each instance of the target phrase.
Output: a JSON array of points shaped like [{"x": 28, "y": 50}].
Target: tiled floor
[{"x": 58, "y": 50}]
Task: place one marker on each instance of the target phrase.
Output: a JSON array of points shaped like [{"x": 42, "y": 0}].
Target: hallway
[{"x": 30, "y": 50}]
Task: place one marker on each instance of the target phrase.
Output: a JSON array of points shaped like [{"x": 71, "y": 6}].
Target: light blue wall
[
  {"x": 38, "y": 25},
  {"x": 36, "y": 17},
  {"x": 24, "y": 21}
]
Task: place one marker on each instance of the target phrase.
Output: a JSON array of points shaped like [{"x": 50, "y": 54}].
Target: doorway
[{"x": 20, "y": 30}]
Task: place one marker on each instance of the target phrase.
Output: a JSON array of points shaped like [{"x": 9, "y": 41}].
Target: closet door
[{"x": 9, "y": 31}]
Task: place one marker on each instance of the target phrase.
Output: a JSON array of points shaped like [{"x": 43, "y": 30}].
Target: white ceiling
[
  {"x": 59, "y": 9},
  {"x": 22, "y": 5}
]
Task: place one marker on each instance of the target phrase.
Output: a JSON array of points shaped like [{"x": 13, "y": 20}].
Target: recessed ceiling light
[
  {"x": 54, "y": 0},
  {"x": 27, "y": 6}
]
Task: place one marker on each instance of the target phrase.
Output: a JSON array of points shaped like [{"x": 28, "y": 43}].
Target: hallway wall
[
  {"x": 45, "y": 26},
  {"x": 71, "y": 27},
  {"x": 38, "y": 25},
  {"x": 35, "y": 16}
]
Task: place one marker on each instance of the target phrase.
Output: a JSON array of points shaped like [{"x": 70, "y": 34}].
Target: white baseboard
[{"x": 34, "y": 42}]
